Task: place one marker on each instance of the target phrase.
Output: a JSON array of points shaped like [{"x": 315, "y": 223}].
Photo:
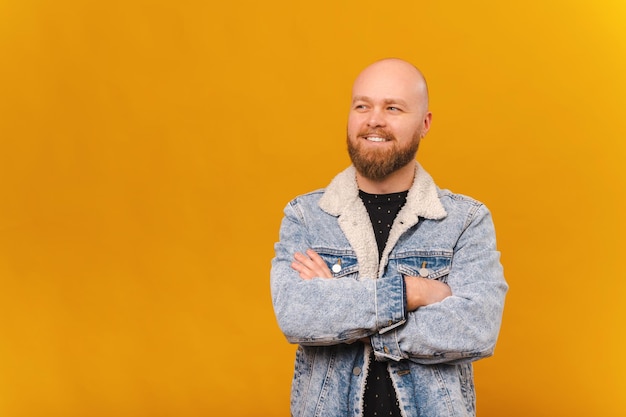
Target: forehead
[{"x": 389, "y": 82}]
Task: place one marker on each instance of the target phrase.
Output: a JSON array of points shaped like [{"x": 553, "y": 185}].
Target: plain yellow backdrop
[{"x": 147, "y": 149}]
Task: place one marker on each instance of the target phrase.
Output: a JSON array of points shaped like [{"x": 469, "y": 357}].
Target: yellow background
[{"x": 147, "y": 149}]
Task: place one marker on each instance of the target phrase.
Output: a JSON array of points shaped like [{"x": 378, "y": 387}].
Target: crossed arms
[
  {"x": 404, "y": 317},
  {"x": 420, "y": 291}
]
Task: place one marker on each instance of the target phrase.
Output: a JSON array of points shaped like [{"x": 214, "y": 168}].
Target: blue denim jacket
[{"x": 429, "y": 351}]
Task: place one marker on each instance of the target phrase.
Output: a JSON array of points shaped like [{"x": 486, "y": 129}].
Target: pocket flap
[
  {"x": 427, "y": 264},
  {"x": 340, "y": 263}
]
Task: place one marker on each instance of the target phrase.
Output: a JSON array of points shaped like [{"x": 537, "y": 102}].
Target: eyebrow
[{"x": 385, "y": 101}]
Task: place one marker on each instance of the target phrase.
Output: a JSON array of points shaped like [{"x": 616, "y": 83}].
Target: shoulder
[
  {"x": 463, "y": 207},
  {"x": 308, "y": 198},
  {"x": 303, "y": 205},
  {"x": 450, "y": 198}
]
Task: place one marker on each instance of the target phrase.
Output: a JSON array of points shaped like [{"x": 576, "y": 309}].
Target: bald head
[
  {"x": 388, "y": 118},
  {"x": 390, "y": 76}
]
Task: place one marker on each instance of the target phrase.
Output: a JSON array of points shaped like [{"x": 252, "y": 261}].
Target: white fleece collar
[{"x": 422, "y": 199}]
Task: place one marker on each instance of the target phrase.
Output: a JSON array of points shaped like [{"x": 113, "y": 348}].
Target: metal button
[
  {"x": 386, "y": 349},
  {"x": 356, "y": 371},
  {"x": 337, "y": 267}
]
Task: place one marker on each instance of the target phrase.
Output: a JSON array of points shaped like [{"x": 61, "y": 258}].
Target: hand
[
  {"x": 310, "y": 265},
  {"x": 421, "y": 292}
]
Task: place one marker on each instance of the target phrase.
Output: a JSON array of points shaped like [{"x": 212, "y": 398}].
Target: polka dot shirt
[{"x": 380, "y": 396}]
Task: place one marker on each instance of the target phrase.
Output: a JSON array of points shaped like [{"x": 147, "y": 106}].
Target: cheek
[
  {"x": 408, "y": 131},
  {"x": 353, "y": 125}
]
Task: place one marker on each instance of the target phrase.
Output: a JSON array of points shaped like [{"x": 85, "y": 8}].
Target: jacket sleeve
[
  {"x": 327, "y": 311},
  {"x": 465, "y": 326}
]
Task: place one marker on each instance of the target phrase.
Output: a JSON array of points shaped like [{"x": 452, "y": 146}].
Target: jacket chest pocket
[
  {"x": 425, "y": 264},
  {"x": 340, "y": 263}
]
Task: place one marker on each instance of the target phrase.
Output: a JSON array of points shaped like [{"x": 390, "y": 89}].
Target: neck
[{"x": 397, "y": 181}]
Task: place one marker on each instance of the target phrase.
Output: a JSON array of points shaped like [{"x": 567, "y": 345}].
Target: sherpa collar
[{"x": 422, "y": 199}]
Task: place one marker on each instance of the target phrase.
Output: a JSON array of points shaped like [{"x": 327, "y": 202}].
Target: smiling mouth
[
  {"x": 376, "y": 136},
  {"x": 375, "y": 139}
]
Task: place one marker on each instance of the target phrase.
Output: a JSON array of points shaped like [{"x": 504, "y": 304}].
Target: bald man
[{"x": 390, "y": 286}]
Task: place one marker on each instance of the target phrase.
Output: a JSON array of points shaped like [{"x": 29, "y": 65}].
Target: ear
[{"x": 426, "y": 123}]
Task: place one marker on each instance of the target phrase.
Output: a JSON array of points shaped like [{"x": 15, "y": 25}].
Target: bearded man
[{"x": 390, "y": 286}]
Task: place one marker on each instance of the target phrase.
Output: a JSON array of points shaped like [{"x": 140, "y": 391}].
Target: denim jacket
[{"x": 429, "y": 351}]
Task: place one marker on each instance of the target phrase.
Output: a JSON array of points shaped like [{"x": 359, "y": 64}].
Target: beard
[{"x": 377, "y": 164}]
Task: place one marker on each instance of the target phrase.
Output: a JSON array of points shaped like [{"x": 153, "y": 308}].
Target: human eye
[
  {"x": 360, "y": 106},
  {"x": 394, "y": 109}
]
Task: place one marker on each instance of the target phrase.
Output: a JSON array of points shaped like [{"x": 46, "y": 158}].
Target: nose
[{"x": 375, "y": 118}]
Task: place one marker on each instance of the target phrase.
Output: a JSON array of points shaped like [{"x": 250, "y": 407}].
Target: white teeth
[{"x": 375, "y": 139}]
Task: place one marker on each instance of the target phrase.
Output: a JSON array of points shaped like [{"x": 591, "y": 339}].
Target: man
[{"x": 390, "y": 286}]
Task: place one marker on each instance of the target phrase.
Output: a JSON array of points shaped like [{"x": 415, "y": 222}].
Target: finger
[
  {"x": 306, "y": 261},
  {"x": 305, "y": 273},
  {"x": 315, "y": 263},
  {"x": 320, "y": 264}
]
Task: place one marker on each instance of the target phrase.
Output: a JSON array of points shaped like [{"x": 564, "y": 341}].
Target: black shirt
[{"x": 380, "y": 397}]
